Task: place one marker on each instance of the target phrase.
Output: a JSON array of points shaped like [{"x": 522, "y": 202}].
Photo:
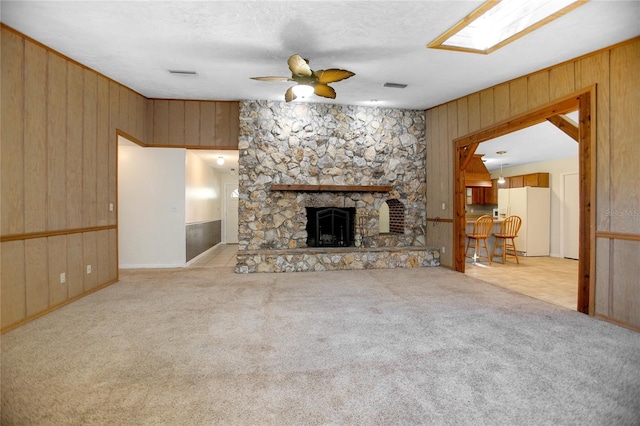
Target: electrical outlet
[
  {"x": 442, "y": 249},
  {"x": 63, "y": 278},
  {"x": 88, "y": 269}
]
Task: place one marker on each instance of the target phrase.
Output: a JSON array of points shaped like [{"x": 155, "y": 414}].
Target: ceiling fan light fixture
[
  {"x": 309, "y": 82},
  {"x": 302, "y": 90}
]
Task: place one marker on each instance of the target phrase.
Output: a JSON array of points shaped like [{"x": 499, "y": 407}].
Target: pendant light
[{"x": 501, "y": 178}]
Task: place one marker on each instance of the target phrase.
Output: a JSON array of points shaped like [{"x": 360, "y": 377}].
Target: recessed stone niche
[{"x": 321, "y": 144}]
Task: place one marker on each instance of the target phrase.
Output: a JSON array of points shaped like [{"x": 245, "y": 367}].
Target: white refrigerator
[{"x": 533, "y": 205}]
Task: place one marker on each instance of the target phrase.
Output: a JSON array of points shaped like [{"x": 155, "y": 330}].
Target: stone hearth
[
  {"x": 320, "y": 144},
  {"x": 335, "y": 259}
]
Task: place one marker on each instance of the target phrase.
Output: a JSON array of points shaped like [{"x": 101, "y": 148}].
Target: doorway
[
  {"x": 466, "y": 146},
  {"x": 231, "y": 213},
  {"x": 541, "y": 155}
]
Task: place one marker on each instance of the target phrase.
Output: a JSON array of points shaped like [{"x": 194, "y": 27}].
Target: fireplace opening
[{"x": 330, "y": 226}]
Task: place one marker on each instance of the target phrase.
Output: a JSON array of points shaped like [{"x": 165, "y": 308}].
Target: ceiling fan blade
[
  {"x": 271, "y": 78},
  {"x": 332, "y": 75},
  {"x": 325, "y": 91},
  {"x": 299, "y": 66},
  {"x": 289, "y": 95}
]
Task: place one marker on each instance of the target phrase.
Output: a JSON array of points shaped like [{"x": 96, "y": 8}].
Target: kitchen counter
[{"x": 471, "y": 219}]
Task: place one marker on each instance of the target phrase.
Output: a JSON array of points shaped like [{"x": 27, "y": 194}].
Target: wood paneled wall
[
  {"x": 59, "y": 170},
  {"x": 615, "y": 72},
  {"x": 58, "y": 177},
  {"x": 193, "y": 124}
]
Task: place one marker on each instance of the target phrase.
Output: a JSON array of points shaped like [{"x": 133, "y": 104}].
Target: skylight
[{"x": 499, "y": 22}]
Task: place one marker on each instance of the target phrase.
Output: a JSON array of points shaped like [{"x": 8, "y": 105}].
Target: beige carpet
[{"x": 205, "y": 346}]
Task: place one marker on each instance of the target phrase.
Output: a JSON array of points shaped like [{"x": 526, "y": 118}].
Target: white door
[
  {"x": 231, "y": 213},
  {"x": 571, "y": 215}
]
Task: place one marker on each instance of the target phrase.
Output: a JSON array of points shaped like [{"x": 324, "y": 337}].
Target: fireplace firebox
[{"x": 330, "y": 226}]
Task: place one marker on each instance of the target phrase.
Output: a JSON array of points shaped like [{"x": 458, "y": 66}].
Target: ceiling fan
[{"x": 309, "y": 81}]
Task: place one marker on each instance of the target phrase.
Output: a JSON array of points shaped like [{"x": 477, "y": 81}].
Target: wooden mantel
[{"x": 333, "y": 188}]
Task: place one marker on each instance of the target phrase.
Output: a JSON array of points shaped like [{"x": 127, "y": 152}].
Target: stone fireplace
[{"x": 301, "y": 160}]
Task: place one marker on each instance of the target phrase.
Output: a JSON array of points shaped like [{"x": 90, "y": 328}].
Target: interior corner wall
[{"x": 151, "y": 207}]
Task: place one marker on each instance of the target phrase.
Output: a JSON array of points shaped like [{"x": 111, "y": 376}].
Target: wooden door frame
[{"x": 465, "y": 146}]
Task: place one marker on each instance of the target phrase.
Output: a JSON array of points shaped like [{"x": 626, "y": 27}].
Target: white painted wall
[
  {"x": 230, "y": 216},
  {"x": 151, "y": 206},
  {"x": 203, "y": 194},
  {"x": 556, "y": 170}
]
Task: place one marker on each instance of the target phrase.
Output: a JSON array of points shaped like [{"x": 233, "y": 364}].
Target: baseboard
[
  {"x": 166, "y": 265},
  {"x": 58, "y": 306},
  {"x": 554, "y": 255},
  {"x": 617, "y": 322}
]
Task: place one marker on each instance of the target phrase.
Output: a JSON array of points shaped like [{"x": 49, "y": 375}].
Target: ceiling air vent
[
  {"x": 182, "y": 72},
  {"x": 395, "y": 85}
]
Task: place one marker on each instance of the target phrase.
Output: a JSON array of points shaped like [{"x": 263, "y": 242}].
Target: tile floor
[
  {"x": 551, "y": 279},
  {"x": 221, "y": 256}
]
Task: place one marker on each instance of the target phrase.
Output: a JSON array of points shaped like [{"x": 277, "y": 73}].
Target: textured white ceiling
[
  {"x": 227, "y": 42},
  {"x": 534, "y": 144}
]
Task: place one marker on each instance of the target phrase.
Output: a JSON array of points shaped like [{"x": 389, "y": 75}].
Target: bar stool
[
  {"x": 481, "y": 231},
  {"x": 505, "y": 239}
]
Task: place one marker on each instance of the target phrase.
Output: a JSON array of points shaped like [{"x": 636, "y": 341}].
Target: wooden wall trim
[
  {"x": 617, "y": 236},
  {"x": 130, "y": 138},
  {"x": 620, "y": 323},
  {"x": 566, "y": 125},
  {"x": 146, "y": 145},
  {"x": 521, "y": 121},
  {"x": 439, "y": 219},
  {"x": 44, "y": 234},
  {"x": 192, "y": 100},
  {"x": 587, "y": 190}
]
